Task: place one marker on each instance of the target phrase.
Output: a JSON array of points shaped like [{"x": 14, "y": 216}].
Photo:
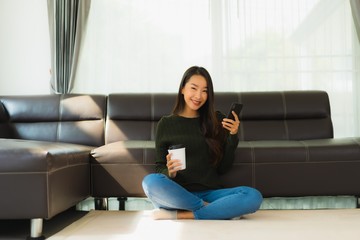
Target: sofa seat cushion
[
  {"x": 49, "y": 176},
  {"x": 275, "y": 167},
  {"x": 117, "y": 168},
  {"x": 18, "y": 155},
  {"x": 298, "y": 168},
  {"x": 291, "y": 151},
  {"x": 135, "y": 152}
]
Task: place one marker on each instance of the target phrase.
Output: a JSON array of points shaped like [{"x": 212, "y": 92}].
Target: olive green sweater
[{"x": 200, "y": 174}]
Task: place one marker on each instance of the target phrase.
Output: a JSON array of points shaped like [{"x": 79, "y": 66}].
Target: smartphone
[{"x": 236, "y": 107}]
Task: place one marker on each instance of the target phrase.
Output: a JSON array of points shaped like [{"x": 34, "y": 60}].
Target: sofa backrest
[
  {"x": 135, "y": 116},
  {"x": 282, "y": 115},
  {"x": 71, "y": 118}
]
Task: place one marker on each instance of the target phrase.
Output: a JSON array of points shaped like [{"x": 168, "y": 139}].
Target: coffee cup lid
[{"x": 176, "y": 146}]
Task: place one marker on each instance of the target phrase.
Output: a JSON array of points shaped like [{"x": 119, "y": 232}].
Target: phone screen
[{"x": 236, "y": 107}]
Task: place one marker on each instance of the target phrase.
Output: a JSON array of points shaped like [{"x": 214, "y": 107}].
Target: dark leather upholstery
[
  {"x": 62, "y": 118},
  {"x": 286, "y": 149},
  {"x": 265, "y": 115},
  {"x": 289, "y": 115},
  {"x": 118, "y": 167},
  {"x": 45, "y": 143},
  {"x": 41, "y": 179},
  {"x": 134, "y": 116}
]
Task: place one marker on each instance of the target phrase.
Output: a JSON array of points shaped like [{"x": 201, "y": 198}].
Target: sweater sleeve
[
  {"x": 230, "y": 146},
  {"x": 161, "y": 148},
  {"x": 229, "y": 154}
]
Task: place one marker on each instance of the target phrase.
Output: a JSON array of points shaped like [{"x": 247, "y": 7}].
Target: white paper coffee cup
[{"x": 178, "y": 152}]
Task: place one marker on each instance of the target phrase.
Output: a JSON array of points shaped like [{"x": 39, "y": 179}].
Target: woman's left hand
[{"x": 231, "y": 125}]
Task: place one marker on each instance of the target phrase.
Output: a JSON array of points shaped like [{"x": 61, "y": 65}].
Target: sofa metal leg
[
  {"x": 122, "y": 201},
  {"x": 101, "y": 203},
  {"x": 36, "y": 227}
]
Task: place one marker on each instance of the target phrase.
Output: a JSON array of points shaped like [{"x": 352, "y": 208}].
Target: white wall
[{"x": 24, "y": 47}]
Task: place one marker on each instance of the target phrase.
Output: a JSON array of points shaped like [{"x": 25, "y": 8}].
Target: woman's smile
[{"x": 195, "y": 95}]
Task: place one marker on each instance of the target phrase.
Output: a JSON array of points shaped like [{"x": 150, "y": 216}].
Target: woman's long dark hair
[{"x": 210, "y": 126}]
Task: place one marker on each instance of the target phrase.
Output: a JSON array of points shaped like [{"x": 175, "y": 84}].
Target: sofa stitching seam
[
  {"x": 285, "y": 116},
  {"x": 253, "y": 164},
  {"x": 307, "y": 154},
  {"x": 242, "y": 137},
  {"x": 60, "y": 118},
  {"x": 152, "y": 109}
]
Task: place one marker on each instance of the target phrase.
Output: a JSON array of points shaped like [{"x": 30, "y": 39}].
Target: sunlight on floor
[{"x": 265, "y": 224}]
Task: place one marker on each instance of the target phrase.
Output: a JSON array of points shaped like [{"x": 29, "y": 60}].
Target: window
[{"x": 247, "y": 45}]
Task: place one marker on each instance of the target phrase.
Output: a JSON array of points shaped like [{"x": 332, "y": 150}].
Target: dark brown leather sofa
[
  {"x": 286, "y": 148},
  {"x": 45, "y": 143},
  {"x": 56, "y": 150}
]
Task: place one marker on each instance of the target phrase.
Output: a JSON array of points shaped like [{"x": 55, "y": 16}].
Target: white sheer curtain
[{"x": 247, "y": 45}]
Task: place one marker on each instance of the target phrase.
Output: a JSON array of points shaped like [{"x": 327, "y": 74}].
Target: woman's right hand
[{"x": 173, "y": 165}]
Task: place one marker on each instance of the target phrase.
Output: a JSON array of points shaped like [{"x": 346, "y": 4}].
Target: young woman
[{"x": 210, "y": 141}]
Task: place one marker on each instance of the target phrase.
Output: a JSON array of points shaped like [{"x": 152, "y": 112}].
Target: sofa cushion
[
  {"x": 286, "y": 115},
  {"x": 17, "y": 155},
  {"x": 48, "y": 176},
  {"x": 135, "y": 116},
  {"x": 275, "y": 167},
  {"x": 71, "y": 118},
  {"x": 298, "y": 168},
  {"x": 281, "y": 115},
  {"x": 117, "y": 169}
]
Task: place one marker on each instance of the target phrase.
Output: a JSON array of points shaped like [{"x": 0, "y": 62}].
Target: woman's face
[{"x": 195, "y": 95}]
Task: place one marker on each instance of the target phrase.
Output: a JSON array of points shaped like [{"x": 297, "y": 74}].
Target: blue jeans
[{"x": 223, "y": 203}]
